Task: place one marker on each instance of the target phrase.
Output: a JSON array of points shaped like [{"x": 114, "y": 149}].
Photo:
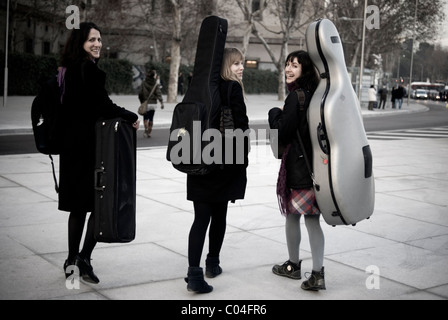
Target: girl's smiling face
[
  {"x": 93, "y": 44},
  {"x": 293, "y": 71},
  {"x": 237, "y": 69}
]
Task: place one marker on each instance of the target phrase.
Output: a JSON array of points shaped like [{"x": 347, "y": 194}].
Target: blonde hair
[{"x": 231, "y": 55}]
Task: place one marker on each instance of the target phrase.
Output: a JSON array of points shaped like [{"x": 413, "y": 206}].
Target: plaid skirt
[{"x": 302, "y": 201}]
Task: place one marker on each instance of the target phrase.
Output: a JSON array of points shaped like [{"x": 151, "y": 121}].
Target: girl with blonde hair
[{"x": 212, "y": 192}]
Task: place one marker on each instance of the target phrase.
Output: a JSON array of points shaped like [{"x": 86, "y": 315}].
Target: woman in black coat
[
  {"x": 295, "y": 187},
  {"x": 84, "y": 101},
  {"x": 212, "y": 192}
]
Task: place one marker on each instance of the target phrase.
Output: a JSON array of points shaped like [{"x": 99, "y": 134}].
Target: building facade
[{"x": 142, "y": 30}]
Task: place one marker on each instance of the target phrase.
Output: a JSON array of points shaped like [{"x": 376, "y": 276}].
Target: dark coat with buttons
[
  {"x": 85, "y": 101},
  {"x": 227, "y": 182},
  {"x": 287, "y": 122}
]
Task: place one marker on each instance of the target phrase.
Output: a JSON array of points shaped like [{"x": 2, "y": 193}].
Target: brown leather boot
[
  {"x": 146, "y": 123},
  {"x": 150, "y": 123}
]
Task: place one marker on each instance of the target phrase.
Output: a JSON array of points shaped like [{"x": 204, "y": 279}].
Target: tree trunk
[
  {"x": 246, "y": 38},
  {"x": 174, "y": 72},
  {"x": 175, "y": 53},
  {"x": 355, "y": 55},
  {"x": 281, "y": 84},
  {"x": 281, "y": 71}
]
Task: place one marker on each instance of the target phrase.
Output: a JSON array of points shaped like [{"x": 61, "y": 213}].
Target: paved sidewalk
[{"x": 404, "y": 244}]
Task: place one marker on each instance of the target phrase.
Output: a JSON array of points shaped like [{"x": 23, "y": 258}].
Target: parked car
[{"x": 420, "y": 94}]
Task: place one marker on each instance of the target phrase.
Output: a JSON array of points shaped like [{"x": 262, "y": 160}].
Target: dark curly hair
[
  {"x": 73, "y": 51},
  {"x": 309, "y": 78}
]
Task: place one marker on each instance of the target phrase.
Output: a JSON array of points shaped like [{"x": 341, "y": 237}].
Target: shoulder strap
[
  {"x": 301, "y": 96},
  {"x": 56, "y": 186},
  {"x": 152, "y": 91}
]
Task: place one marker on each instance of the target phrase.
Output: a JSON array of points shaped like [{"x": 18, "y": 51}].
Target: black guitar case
[
  {"x": 115, "y": 181},
  {"x": 342, "y": 159},
  {"x": 200, "y": 109}
]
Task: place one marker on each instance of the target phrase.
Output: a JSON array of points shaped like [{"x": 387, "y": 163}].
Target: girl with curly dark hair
[{"x": 295, "y": 187}]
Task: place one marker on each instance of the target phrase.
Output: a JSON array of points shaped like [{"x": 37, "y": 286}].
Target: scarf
[
  {"x": 283, "y": 192},
  {"x": 292, "y": 86}
]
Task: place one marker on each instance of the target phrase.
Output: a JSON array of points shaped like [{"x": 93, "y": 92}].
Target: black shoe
[
  {"x": 68, "y": 263},
  {"x": 315, "y": 282},
  {"x": 212, "y": 268},
  {"x": 289, "y": 270},
  {"x": 196, "y": 282},
  {"x": 86, "y": 270}
]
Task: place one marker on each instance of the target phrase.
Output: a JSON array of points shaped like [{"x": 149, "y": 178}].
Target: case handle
[
  {"x": 99, "y": 185},
  {"x": 322, "y": 138}
]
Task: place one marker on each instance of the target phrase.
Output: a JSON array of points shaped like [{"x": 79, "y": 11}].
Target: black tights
[
  {"x": 203, "y": 213},
  {"x": 76, "y": 222}
]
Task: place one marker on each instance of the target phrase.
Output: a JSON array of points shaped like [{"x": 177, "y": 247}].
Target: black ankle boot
[
  {"x": 315, "y": 282},
  {"x": 288, "y": 269},
  {"x": 196, "y": 282},
  {"x": 86, "y": 270},
  {"x": 67, "y": 263},
  {"x": 212, "y": 268}
]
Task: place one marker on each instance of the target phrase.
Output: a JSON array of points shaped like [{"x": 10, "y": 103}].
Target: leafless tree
[
  {"x": 292, "y": 17},
  {"x": 396, "y": 24}
]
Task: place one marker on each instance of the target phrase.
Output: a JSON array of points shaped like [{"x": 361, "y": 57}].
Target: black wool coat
[
  {"x": 228, "y": 182},
  {"x": 287, "y": 122},
  {"x": 85, "y": 101}
]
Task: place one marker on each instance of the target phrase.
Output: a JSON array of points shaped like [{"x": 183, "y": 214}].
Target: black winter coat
[
  {"x": 287, "y": 122},
  {"x": 227, "y": 182},
  {"x": 85, "y": 101}
]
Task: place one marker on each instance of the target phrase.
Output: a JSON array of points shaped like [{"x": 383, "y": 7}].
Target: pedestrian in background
[
  {"x": 295, "y": 186},
  {"x": 393, "y": 97},
  {"x": 399, "y": 96},
  {"x": 212, "y": 192},
  {"x": 372, "y": 97},
  {"x": 84, "y": 102},
  {"x": 180, "y": 84},
  {"x": 383, "y": 97},
  {"x": 151, "y": 93}
]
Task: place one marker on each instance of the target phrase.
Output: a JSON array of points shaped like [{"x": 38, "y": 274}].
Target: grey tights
[{"x": 316, "y": 235}]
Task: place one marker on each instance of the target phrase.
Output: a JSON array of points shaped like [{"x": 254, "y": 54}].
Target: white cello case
[{"x": 342, "y": 159}]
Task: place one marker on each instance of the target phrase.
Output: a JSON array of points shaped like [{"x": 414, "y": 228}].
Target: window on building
[
  {"x": 251, "y": 64},
  {"x": 257, "y": 5},
  {"x": 29, "y": 45},
  {"x": 46, "y": 48}
]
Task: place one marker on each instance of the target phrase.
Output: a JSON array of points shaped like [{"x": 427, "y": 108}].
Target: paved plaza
[{"x": 400, "y": 253}]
